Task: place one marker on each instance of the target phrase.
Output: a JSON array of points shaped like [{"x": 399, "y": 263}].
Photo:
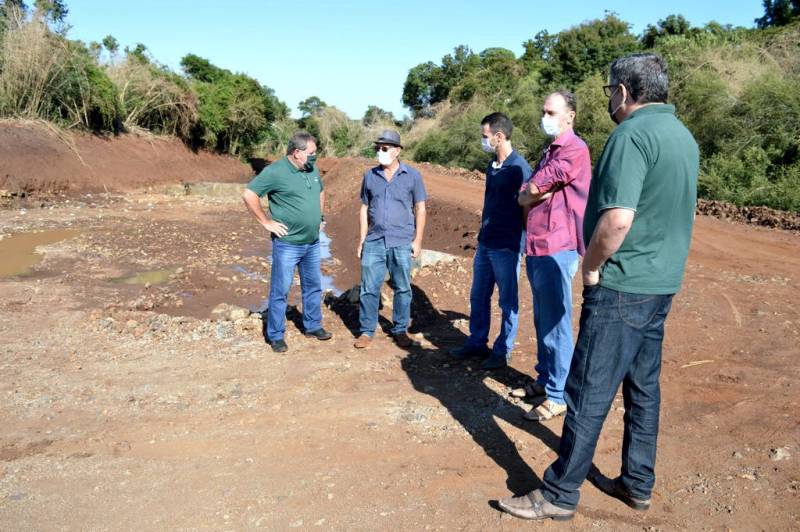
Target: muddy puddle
[
  {"x": 19, "y": 250},
  {"x": 147, "y": 277}
]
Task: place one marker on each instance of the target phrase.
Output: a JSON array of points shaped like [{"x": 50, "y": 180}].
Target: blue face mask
[{"x": 486, "y": 145}]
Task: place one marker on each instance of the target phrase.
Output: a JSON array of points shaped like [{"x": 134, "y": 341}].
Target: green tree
[
  {"x": 311, "y": 105},
  {"x": 419, "y": 89},
  {"x": 778, "y": 13},
  {"x": 376, "y": 115},
  {"x": 672, "y": 25},
  {"x": 111, "y": 45},
  {"x": 201, "y": 69},
  {"x": 587, "y": 48}
]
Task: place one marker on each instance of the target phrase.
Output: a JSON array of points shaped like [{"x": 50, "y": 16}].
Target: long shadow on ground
[{"x": 462, "y": 387}]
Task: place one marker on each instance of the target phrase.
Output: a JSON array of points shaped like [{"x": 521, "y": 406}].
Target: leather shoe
[
  {"x": 319, "y": 334},
  {"x": 534, "y": 506}
]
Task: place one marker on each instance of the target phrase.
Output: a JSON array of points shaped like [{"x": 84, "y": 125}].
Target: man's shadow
[{"x": 462, "y": 387}]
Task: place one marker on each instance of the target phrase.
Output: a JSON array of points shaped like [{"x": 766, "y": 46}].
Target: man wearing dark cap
[{"x": 392, "y": 221}]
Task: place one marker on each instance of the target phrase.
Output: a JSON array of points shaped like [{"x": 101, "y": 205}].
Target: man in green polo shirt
[
  {"x": 638, "y": 223},
  {"x": 296, "y": 201}
]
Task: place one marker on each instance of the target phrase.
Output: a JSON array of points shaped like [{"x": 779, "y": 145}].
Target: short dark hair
[
  {"x": 644, "y": 75},
  {"x": 499, "y": 122},
  {"x": 299, "y": 141},
  {"x": 569, "y": 97}
]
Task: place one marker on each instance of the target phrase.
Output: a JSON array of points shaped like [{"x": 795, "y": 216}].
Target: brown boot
[
  {"x": 402, "y": 340},
  {"x": 363, "y": 341}
]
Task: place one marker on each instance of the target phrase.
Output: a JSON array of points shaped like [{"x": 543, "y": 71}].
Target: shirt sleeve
[
  {"x": 321, "y": 183},
  {"x": 620, "y": 174},
  {"x": 527, "y": 173},
  {"x": 562, "y": 169},
  {"x": 262, "y": 184},
  {"x": 364, "y": 195},
  {"x": 419, "y": 193}
]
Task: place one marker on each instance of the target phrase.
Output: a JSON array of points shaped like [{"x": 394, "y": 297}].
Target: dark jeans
[{"x": 619, "y": 341}]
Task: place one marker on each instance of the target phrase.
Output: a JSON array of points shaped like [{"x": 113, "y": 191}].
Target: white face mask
[
  {"x": 486, "y": 146},
  {"x": 550, "y": 125},
  {"x": 385, "y": 158}
]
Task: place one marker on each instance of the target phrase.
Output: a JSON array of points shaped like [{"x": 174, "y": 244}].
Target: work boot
[
  {"x": 363, "y": 341},
  {"x": 402, "y": 340},
  {"x": 279, "y": 346},
  {"x": 319, "y": 334},
  {"x": 495, "y": 361},
  {"x": 469, "y": 351},
  {"x": 615, "y": 488}
]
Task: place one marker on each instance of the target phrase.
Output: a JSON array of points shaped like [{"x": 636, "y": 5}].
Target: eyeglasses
[
  {"x": 383, "y": 148},
  {"x": 609, "y": 89}
]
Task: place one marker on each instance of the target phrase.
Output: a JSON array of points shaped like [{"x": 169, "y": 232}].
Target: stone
[
  {"x": 781, "y": 453},
  {"x": 227, "y": 312}
]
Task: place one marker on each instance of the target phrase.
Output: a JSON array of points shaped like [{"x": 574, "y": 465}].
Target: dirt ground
[{"x": 127, "y": 406}]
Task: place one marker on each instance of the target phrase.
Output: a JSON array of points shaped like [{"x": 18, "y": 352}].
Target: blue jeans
[
  {"x": 551, "y": 282},
  {"x": 376, "y": 258},
  {"x": 285, "y": 258},
  {"x": 619, "y": 342},
  {"x": 489, "y": 268}
]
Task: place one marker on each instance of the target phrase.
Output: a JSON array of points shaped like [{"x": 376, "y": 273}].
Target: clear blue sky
[{"x": 355, "y": 53}]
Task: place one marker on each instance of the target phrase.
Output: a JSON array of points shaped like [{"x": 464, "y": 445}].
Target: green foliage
[
  {"x": 45, "y": 76},
  {"x": 778, "y": 13},
  {"x": 457, "y": 142},
  {"x": 734, "y": 88},
  {"x": 110, "y": 44},
  {"x": 376, "y": 115},
  {"x": 585, "y": 49},
  {"x": 672, "y": 25},
  {"x": 311, "y": 105},
  {"x": 234, "y": 110},
  {"x": 201, "y": 69}
]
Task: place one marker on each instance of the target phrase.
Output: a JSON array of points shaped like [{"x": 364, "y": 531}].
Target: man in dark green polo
[
  {"x": 293, "y": 188},
  {"x": 638, "y": 223}
]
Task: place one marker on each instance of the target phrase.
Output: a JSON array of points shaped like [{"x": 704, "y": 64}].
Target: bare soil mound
[
  {"x": 452, "y": 214},
  {"x": 36, "y": 159}
]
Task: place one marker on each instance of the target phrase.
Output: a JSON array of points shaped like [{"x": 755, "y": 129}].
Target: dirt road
[{"x": 126, "y": 407}]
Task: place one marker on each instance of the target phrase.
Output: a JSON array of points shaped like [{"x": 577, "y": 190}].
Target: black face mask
[
  {"x": 309, "y": 166},
  {"x": 613, "y": 112}
]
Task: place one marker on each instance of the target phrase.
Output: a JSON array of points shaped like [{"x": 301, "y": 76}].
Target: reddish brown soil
[
  {"x": 34, "y": 159},
  {"x": 127, "y": 408}
]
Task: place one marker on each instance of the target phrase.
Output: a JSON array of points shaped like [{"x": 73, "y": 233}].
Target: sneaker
[
  {"x": 363, "y": 341},
  {"x": 319, "y": 334},
  {"x": 279, "y": 346},
  {"x": 615, "y": 488},
  {"x": 402, "y": 340},
  {"x": 534, "y": 506},
  {"x": 495, "y": 361},
  {"x": 469, "y": 351}
]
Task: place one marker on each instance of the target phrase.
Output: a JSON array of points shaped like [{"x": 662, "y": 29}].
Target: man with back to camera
[
  {"x": 296, "y": 202},
  {"x": 392, "y": 224},
  {"x": 497, "y": 258},
  {"x": 638, "y": 221},
  {"x": 554, "y": 199}
]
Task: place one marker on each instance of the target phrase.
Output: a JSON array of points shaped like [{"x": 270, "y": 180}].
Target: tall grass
[
  {"x": 153, "y": 99},
  {"x": 44, "y": 76}
]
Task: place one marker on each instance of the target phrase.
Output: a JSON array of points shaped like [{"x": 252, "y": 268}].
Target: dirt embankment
[{"x": 35, "y": 159}]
